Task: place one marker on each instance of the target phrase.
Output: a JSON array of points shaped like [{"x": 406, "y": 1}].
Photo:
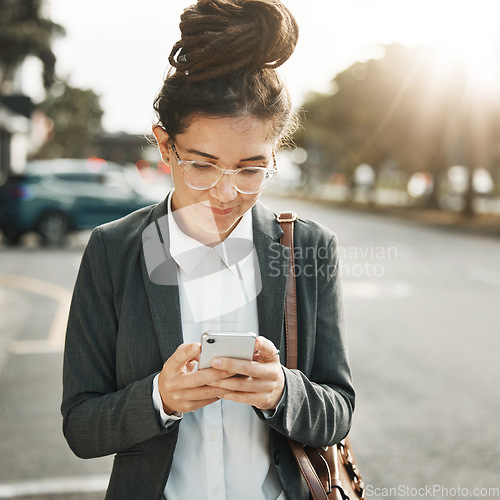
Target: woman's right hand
[{"x": 185, "y": 389}]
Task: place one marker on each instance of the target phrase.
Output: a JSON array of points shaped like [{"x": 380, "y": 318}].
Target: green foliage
[
  {"x": 406, "y": 110},
  {"x": 76, "y": 116},
  {"x": 24, "y": 32}
]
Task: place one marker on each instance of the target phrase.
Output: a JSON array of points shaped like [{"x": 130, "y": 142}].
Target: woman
[{"x": 209, "y": 258}]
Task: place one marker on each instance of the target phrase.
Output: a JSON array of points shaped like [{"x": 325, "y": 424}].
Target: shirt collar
[{"x": 188, "y": 252}]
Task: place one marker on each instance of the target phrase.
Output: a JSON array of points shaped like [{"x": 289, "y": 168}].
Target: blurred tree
[
  {"x": 403, "y": 109},
  {"x": 24, "y": 32},
  {"x": 362, "y": 120},
  {"x": 76, "y": 117}
]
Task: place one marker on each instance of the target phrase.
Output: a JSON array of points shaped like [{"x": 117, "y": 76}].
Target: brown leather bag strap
[
  {"x": 329, "y": 486},
  {"x": 313, "y": 481},
  {"x": 286, "y": 220}
]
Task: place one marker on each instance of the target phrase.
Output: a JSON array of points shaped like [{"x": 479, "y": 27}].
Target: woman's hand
[
  {"x": 183, "y": 388},
  {"x": 263, "y": 382}
]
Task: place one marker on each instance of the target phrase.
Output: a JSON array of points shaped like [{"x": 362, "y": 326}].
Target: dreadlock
[
  {"x": 225, "y": 61},
  {"x": 260, "y": 34}
]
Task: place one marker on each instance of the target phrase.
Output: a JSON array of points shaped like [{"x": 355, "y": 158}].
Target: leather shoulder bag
[{"x": 331, "y": 472}]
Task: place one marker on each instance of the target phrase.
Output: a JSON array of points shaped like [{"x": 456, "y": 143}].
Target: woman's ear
[{"x": 162, "y": 141}]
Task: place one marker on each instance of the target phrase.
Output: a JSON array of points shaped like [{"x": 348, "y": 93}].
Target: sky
[{"x": 120, "y": 48}]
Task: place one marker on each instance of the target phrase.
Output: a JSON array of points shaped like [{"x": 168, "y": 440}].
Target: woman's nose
[{"x": 224, "y": 189}]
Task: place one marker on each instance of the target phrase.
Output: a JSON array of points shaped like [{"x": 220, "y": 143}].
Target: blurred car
[{"x": 55, "y": 197}]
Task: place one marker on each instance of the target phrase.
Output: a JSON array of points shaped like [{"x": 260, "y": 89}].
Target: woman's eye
[
  {"x": 249, "y": 171},
  {"x": 202, "y": 166}
]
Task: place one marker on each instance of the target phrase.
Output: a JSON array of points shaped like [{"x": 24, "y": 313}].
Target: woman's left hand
[{"x": 263, "y": 381}]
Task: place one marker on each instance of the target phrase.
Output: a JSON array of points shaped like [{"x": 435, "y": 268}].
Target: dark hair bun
[{"x": 220, "y": 37}]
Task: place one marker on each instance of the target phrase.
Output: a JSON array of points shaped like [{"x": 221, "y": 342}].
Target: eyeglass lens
[{"x": 204, "y": 176}]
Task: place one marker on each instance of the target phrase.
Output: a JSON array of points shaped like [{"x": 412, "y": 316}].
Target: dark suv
[{"x": 54, "y": 197}]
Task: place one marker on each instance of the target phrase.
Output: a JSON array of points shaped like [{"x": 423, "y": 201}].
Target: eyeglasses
[{"x": 247, "y": 180}]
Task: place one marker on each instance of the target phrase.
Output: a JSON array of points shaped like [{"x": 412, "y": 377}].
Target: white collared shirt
[{"x": 222, "y": 450}]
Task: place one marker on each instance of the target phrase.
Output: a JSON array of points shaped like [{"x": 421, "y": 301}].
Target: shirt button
[
  {"x": 214, "y": 436},
  {"x": 216, "y": 490}
]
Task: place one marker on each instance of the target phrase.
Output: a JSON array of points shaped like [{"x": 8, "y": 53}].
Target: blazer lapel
[
  {"x": 273, "y": 265},
  {"x": 159, "y": 274}
]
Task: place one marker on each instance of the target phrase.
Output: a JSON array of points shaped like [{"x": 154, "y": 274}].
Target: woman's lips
[{"x": 221, "y": 211}]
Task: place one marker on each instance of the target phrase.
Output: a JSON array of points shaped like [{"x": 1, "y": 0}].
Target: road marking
[
  {"x": 484, "y": 275},
  {"x": 55, "y": 486},
  {"x": 55, "y": 339}
]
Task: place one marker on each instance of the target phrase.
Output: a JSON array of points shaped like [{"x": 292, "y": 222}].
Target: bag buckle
[{"x": 287, "y": 217}]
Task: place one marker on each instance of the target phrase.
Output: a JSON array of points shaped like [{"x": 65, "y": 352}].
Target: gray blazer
[{"x": 122, "y": 328}]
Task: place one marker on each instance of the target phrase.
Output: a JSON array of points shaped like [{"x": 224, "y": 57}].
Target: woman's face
[{"x": 230, "y": 143}]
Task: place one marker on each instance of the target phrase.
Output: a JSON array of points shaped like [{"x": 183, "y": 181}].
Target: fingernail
[{"x": 217, "y": 363}]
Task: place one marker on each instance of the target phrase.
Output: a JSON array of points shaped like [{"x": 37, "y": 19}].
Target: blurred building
[
  {"x": 16, "y": 110},
  {"x": 121, "y": 148}
]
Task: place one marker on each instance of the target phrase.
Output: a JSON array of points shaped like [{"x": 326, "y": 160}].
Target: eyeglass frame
[{"x": 223, "y": 171}]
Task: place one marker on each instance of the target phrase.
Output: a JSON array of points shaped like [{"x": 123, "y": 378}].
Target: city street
[{"x": 423, "y": 322}]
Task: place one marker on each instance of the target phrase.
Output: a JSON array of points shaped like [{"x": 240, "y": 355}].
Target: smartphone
[{"x": 239, "y": 345}]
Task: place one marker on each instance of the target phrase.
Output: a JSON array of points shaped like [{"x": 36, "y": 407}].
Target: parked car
[{"x": 55, "y": 197}]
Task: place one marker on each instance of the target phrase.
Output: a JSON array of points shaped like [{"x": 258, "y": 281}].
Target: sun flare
[{"x": 465, "y": 32}]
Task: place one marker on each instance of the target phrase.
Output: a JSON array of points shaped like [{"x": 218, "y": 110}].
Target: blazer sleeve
[
  {"x": 98, "y": 418},
  {"x": 319, "y": 401}
]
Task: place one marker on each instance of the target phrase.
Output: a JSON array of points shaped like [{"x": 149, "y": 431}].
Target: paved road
[
  {"x": 423, "y": 322},
  {"x": 35, "y": 289}
]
